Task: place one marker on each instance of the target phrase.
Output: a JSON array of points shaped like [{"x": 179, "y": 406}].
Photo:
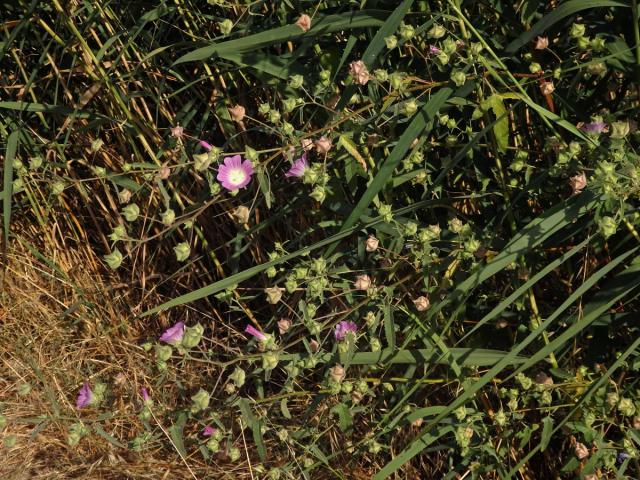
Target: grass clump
[{"x": 320, "y": 240}]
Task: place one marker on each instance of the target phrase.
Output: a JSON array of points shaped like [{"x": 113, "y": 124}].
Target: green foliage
[{"x": 428, "y": 261}]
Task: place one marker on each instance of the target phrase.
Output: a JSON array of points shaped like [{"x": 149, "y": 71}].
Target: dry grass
[{"x": 57, "y": 327}]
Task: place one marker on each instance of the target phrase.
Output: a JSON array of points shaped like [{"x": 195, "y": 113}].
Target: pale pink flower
[
  {"x": 578, "y": 183},
  {"x": 421, "y": 303},
  {"x": 323, "y": 145},
  {"x": 298, "y": 168},
  {"x": 547, "y": 88},
  {"x": 371, "y": 245},
  {"x": 543, "y": 379},
  {"x": 581, "y": 451},
  {"x": 304, "y": 22},
  {"x": 337, "y": 373},
  {"x": 307, "y": 144},
  {"x": 542, "y": 43},
  {"x": 237, "y": 113},
  {"x": 173, "y": 335},
  {"x": 145, "y": 395},
  {"x": 433, "y": 50},
  {"x": 177, "y": 131},
  {"x": 284, "y": 324},
  {"x": 363, "y": 282},
  {"x": 206, "y": 145},
  {"x": 594, "y": 127},
  {"x": 359, "y": 72},
  {"x": 235, "y": 173}
]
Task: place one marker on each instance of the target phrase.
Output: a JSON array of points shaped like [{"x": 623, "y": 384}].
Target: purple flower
[
  {"x": 622, "y": 456},
  {"x": 594, "y": 127},
  {"x": 208, "y": 431},
  {"x": 235, "y": 173},
  {"x": 345, "y": 327},
  {"x": 298, "y": 168},
  {"x": 251, "y": 330},
  {"x": 433, "y": 50},
  {"x": 173, "y": 335},
  {"x": 85, "y": 396},
  {"x": 145, "y": 395},
  {"x": 206, "y": 145}
]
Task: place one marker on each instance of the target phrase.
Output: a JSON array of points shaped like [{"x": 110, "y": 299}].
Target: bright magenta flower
[
  {"x": 251, "y": 330},
  {"x": 235, "y": 173},
  {"x": 208, "y": 431},
  {"x": 345, "y": 327},
  {"x": 206, "y": 145},
  {"x": 298, "y": 168}
]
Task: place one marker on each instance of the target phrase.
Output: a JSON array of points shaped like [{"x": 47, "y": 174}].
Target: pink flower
[
  {"x": 323, "y": 145},
  {"x": 145, "y": 395},
  {"x": 547, "y": 88},
  {"x": 251, "y": 330},
  {"x": 237, "y": 113},
  {"x": 177, "y": 131},
  {"x": 173, "y": 335},
  {"x": 363, "y": 282},
  {"x": 206, "y": 145},
  {"x": 542, "y": 43},
  {"x": 343, "y": 328},
  {"x": 208, "y": 431},
  {"x": 235, "y": 173},
  {"x": 304, "y": 22},
  {"x": 594, "y": 127},
  {"x": 298, "y": 168},
  {"x": 433, "y": 50},
  {"x": 359, "y": 72},
  {"x": 578, "y": 183},
  {"x": 85, "y": 396}
]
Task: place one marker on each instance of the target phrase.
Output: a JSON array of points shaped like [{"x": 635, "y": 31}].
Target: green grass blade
[{"x": 12, "y": 149}]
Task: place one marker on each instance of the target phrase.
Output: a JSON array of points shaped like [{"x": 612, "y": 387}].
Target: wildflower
[
  {"x": 237, "y": 113},
  {"x": 578, "y": 183},
  {"x": 371, "y": 245},
  {"x": 547, "y": 88},
  {"x": 581, "y": 451},
  {"x": 177, "y": 131},
  {"x": 594, "y": 128},
  {"x": 345, "y": 328},
  {"x": 542, "y": 43},
  {"x": 164, "y": 172},
  {"x": 307, "y": 144},
  {"x": 433, "y": 50},
  {"x": 314, "y": 346},
  {"x": 323, "y": 145},
  {"x": 257, "y": 334},
  {"x": 298, "y": 168},
  {"x": 284, "y": 324},
  {"x": 358, "y": 70},
  {"x": 235, "y": 173},
  {"x": 363, "y": 282},
  {"x": 337, "y": 373},
  {"x": 85, "y": 396},
  {"x": 208, "y": 431},
  {"x": 421, "y": 303},
  {"x": 241, "y": 215},
  {"x": 206, "y": 145},
  {"x": 173, "y": 335},
  {"x": 304, "y": 22}
]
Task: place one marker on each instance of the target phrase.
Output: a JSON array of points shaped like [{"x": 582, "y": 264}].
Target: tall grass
[{"x": 449, "y": 290}]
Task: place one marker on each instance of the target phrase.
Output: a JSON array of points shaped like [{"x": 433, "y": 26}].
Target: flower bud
[
  {"x": 577, "y": 30},
  {"x": 163, "y": 352},
  {"x": 323, "y": 145},
  {"x": 620, "y": 129},
  {"x": 437, "y": 31},
  {"x": 381, "y": 75},
  {"x": 626, "y": 407},
  {"x": 192, "y": 336},
  {"x": 182, "y": 251},
  {"x": 168, "y": 217},
  {"x": 241, "y": 215},
  {"x": 406, "y": 31},
  {"x": 200, "y": 401},
  {"x": 391, "y": 41},
  {"x": 581, "y": 451},
  {"x": 608, "y": 226},
  {"x": 118, "y": 233},
  {"x": 362, "y": 282},
  {"x": 131, "y": 212},
  {"x": 535, "y": 67},
  {"x": 237, "y": 113},
  {"x": 410, "y": 108},
  {"x": 114, "y": 259},
  {"x": 284, "y": 324},
  {"x": 319, "y": 194},
  {"x": 274, "y": 294},
  {"x": 270, "y": 360},
  {"x": 337, "y": 373},
  {"x": 225, "y": 26},
  {"x": 296, "y": 81}
]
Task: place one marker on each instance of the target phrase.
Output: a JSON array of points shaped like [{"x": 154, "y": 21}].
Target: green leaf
[
  {"x": 344, "y": 416},
  {"x": 322, "y": 26},
  {"x": 501, "y": 126},
  {"x": 175, "y": 432},
  {"x": 109, "y": 438},
  {"x": 547, "y": 430},
  {"x": 12, "y": 149},
  {"x": 254, "y": 424},
  {"x": 566, "y": 9}
]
